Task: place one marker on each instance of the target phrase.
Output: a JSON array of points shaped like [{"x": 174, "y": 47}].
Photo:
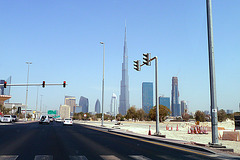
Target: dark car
[{"x": 14, "y": 118}]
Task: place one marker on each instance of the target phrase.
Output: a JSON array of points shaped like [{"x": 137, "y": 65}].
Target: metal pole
[
  {"x": 41, "y": 105},
  {"x": 103, "y": 81},
  {"x": 212, "y": 75},
  {"x": 27, "y": 91},
  {"x": 36, "y": 102},
  {"x": 157, "y": 103}
]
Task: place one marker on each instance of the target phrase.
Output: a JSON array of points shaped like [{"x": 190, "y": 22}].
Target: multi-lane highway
[{"x": 55, "y": 141}]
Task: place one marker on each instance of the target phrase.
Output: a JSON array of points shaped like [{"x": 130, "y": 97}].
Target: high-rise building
[
  {"x": 8, "y": 89},
  {"x": 83, "y": 102},
  {"x": 78, "y": 109},
  {"x": 113, "y": 106},
  {"x": 183, "y": 107},
  {"x": 147, "y": 96},
  {"x": 2, "y": 87},
  {"x": 97, "y": 106},
  {"x": 165, "y": 101},
  {"x": 124, "y": 95},
  {"x": 64, "y": 111},
  {"x": 175, "y": 106},
  {"x": 71, "y": 101}
]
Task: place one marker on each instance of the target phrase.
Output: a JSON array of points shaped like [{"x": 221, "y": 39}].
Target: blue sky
[{"x": 61, "y": 39}]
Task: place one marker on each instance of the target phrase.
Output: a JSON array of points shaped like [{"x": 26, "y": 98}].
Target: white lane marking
[
  {"x": 109, "y": 157},
  {"x": 139, "y": 157},
  {"x": 43, "y": 157},
  {"x": 78, "y": 158},
  {"x": 8, "y": 157}
]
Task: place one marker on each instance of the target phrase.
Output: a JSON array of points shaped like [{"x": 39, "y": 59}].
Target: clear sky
[{"x": 61, "y": 39}]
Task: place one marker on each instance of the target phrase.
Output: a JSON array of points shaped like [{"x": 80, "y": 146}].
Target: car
[
  {"x": 58, "y": 120},
  {"x": 68, "y": 121},
  {"x": 44, "y": 119},
  {"x": 14, "y": 118},
  {"x": 50, "y": 118},
  {"x": 6, "y": 118}
]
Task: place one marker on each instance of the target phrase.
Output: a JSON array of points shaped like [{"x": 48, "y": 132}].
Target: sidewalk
[{"x": 180, "y": 136}]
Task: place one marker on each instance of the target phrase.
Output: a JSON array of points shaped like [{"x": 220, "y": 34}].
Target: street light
[
  {"x": 41, "y": 104},
  {"x": 103, "y": 80},
  {"x": 28, "y": 63}
]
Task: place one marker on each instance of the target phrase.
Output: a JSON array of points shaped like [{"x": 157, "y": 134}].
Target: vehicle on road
[
  {"x": 44, "y": 119},
  {"x": 51, "y": 118},
  {"x": 58, "y": 120},
  {"x": 68, "y": 121},
  {"x": 14, "y": 118},
  {"x": 6, "y": 118}
]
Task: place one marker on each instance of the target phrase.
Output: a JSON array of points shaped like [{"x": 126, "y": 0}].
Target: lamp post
[
  {"x": 103, "y": 81},
  {"x": 41, "y": 104},
  {"x": 28, "y": 63}
]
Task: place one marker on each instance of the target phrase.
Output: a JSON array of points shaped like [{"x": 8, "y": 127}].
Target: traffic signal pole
[{"x": 147, "y": 61}]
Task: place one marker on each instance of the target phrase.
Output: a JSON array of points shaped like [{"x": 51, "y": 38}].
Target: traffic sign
[{"x": 52, "y": 111}]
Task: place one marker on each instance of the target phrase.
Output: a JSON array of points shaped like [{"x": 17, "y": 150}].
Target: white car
[
  {"x": 44, "y": 119},
  {"x": 68, "y": 121},
  {"x": 6, "y": 118}
]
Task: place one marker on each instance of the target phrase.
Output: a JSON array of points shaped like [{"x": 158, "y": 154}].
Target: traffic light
[
  {"x": 43, "y": 84},
  {"x": 5, "y": 84},
  {"x": 137, "y": 66},
  {"x": 64, "y": 84},
  {"x": 146, "y": 59}
]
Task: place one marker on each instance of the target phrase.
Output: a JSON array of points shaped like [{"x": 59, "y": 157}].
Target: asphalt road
[{"x": 33, "y": 141}]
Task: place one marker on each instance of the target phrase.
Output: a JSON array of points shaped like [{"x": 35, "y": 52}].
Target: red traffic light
[
  {"x": 64, "y": 84},
  {"x": 5, "y": 84},
  {"x": 43, "y": 84}
]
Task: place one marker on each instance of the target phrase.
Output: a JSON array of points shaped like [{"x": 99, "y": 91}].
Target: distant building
[
  {"x": 206, "y": 112},
  {"x": 124, "y": 95},
  {"x": 64, "y": 111},
  {"x": 71, "y": 101},
  {"x": 2, "y": 87},
  {"x": 175, "y": 106},
  {"x": 97, "y": 106},
  {"x": 229, "y": 111},
  {"x": 183, "y": 107},
  {"x": 147, "y": 96},
  {"x": 83, "y": 102},
  {"x": 165, "y": 101},
  {"x": 113, "y": 106},
  {"x": 78, "y": 109}
]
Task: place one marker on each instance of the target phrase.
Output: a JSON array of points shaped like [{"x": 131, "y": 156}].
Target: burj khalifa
[{"x": 124, "y": 95}]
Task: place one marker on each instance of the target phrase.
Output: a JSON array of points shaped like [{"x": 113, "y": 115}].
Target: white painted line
[
  {"x": 8, "y": 157},
  {"x": 109, "y": 157},
  {"x": 139, "y": 157},
  {"x": 78, "y": 158},
  {"x": 43, "y": 157}
]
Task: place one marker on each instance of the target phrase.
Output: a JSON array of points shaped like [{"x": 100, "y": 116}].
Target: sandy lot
[{"x": 181, "y": 134}]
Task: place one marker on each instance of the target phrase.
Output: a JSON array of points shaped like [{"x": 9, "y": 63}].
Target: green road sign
[{"x": 52, "y": 112}]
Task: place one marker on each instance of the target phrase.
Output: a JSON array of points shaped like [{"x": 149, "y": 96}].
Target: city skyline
[{"x": 63, "y": 44}]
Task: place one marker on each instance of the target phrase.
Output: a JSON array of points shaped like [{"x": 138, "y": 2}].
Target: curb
[{"x": 156, "y": 139}]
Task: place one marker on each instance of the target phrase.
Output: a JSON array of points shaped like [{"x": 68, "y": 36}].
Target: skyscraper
[
  {"x": 175, "y": 106},
  {"x": 113, "y": 107},
  {"x": 97, "y": 106},
  {"x": 147, "y": 96},
  {"x": 2, "y": 87},
  {"x": 71, "y": 101},
  {"x": 124, "y": 95},
  {"x": 183, "y": 107},
  {"x": 165, "y": 101},
  {"x": 83, "y": 102}
]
